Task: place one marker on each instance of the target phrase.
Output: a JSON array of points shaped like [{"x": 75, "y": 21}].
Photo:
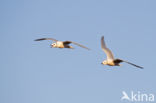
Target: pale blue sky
[{"x": 32, "y": 72}]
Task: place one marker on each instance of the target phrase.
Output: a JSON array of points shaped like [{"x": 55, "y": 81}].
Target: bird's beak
[{"x": 102, "y": 63}]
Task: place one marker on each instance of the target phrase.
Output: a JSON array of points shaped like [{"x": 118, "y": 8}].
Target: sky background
[{"x": 32, "y": 72}]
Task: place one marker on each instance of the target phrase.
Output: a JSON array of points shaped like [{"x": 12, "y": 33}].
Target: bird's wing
[
  {"x": 133, "y": 64},
  {"x": 68, "y": 42},
  {"x": 106, "y": 50},
  {"x": 117, "y": 61},
  {"x": 46, "y": 39}
]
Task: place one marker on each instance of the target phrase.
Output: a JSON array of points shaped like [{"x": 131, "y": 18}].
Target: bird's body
[
  {"x": 110, "y": 58},
  {"x": 111, "y": 63},
  {"x": 61, "y": 44}
]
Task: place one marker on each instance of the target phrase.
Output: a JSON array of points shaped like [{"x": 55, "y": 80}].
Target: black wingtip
[
  {"x": 141, "y": 67},
  {"x": 36, "y": 40},
  {"x": 39, "y": 39}
]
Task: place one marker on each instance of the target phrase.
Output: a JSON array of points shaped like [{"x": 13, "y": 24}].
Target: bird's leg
[
  {"x": 71, "y": 47},
  {"x": 68, "y": 46},
  {"x": 119, "y": 64}
]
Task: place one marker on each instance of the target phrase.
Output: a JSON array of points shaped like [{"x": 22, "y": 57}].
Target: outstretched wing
[
  {"x": 106, "y": 50},
  {"x": 46, "y": 39},
  {"x": 119, "y": 61},
  {"x": 133, "y": 64},
  {"x": 68, "y": 42}
]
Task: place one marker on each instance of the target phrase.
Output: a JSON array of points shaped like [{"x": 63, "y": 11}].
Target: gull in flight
[
  {"x": 62, "y": 44},
  {"x": 110, "y": 58}
]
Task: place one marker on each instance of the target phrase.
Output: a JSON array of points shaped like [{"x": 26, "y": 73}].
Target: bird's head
[
  {"x": 53, "y": 45},
  {"x": 104, "y": 62}
]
